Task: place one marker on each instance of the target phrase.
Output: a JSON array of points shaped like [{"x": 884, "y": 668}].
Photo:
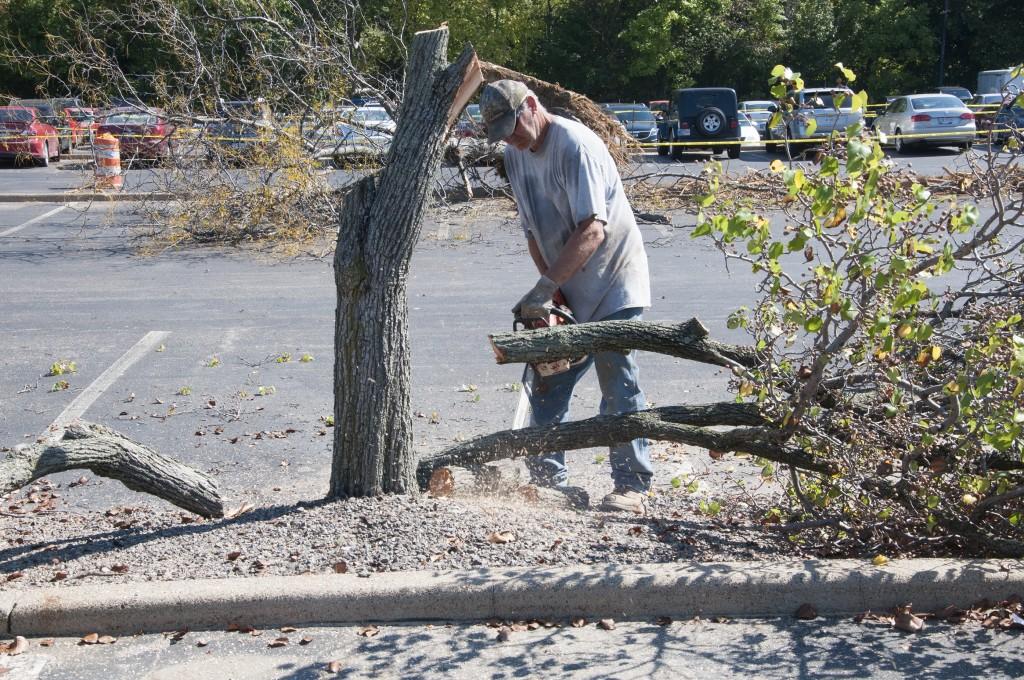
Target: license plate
[
  {"x": 947, "y": 121},
  {"x": 684, "y": 133}
]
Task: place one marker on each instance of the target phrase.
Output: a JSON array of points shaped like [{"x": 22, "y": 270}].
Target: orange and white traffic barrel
[{"x": 107, "y": 153}]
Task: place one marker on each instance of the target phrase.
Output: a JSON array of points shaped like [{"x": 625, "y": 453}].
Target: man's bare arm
[{"x": 576, "y": 252}]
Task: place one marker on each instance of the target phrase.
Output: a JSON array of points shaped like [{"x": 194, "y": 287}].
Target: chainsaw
[{"x": 558, "y": 315}]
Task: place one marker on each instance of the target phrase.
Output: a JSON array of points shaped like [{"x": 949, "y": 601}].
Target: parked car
[
  {"x": 86, "y": 117},
  {"x": 748, "y": 132},
  {"x": 337, "y": 142},
  {"x": 1008, "y": 122},
  {"x": 142, "y": 136},
  {"x": 659, "y": 107},
  {"x": 830, "y": 109},
  {"x": 985, "y": 107},
  {"x": 927, "y": 119},
  {"x": 242, "y": 128},
  {"x": 25, "y": 134},
  {"x": 373, "y": 118},
  {"x": 760, "y": 112},
  {"x": 961, "y": 93},
  {"x": 470, "y": 123},
  {"x": 704, "y": 117},
  {"x": 641, "y": 124},
  {"x": 53, "y": 115}
]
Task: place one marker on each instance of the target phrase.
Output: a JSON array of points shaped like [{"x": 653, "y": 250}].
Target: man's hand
[{"x": 537, "y": 302}]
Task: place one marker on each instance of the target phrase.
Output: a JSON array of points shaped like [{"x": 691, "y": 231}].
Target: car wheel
[
  {"x": 966, "y": 146},
  {"x": 711, "y": 121},
  {"x": 663, "y": 149},
  {"x": 734, "y": 151},
  {"x": 898, "y": 144}
]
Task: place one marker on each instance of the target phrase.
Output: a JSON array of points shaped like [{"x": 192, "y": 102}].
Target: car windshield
[
  {"x": 758, "y": 106},
  {"x": 826, "y": 100},
  {"x": 945, "y": 101},
  {"x": 16, "y": 115},
  {"x": 473, "y": 111},
  {"x": 79, "y": 114},
  {"x": 692, "y": 101},
  {"x": 130, "y": 119},
  {"x": 636, "y": 117},
  {"x": 374, "y": 115}
]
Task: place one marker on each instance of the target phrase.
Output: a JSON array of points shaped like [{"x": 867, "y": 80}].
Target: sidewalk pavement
[{"x": 711, "y": 589}]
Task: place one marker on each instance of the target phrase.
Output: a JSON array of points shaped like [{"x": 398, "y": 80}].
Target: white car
[
  {"x": 373, "y": 118},
  {"x": 933, "y": 119},
  {"x": 748, "y": 132}
]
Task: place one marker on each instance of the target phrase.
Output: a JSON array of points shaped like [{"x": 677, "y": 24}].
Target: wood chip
[{"x": 606, "y": 624}]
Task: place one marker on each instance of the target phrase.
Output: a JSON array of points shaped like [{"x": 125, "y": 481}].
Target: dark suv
[{"x": 704, "y": 118}]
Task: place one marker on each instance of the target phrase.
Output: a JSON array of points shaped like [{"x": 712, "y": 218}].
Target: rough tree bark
[
  {"x": 380, "y": 222},
  {"x": 687, "y": 340},
  {"x": 110, "y": 454}
]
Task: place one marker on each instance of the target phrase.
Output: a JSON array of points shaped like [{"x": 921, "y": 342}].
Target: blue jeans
[{"x": 618, "y": 376}]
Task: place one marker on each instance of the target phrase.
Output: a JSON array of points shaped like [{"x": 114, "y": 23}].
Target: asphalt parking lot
[{"x": 199, "y": 352}]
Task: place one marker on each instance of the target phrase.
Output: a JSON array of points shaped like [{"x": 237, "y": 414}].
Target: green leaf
[
  {"x": 778, "y": 70},
  {"x": 812, "y": 125},
  {"x": 847, "y": 73}
]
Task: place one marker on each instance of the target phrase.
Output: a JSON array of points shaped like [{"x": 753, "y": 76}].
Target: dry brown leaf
[
  {"x": 233, "y": 628},
  {"x": 90, "y": 639},
  {"x": 635, "y": 530},
  {"x": 442, "y": 482},
  {"x": 341, "y": 567},
  {"x": 14, "y": 647},
  {"x": 501, "y": 537},
  {"x": 663, "y": 620},
  {"x": 334, "y": 667},
  {"x": 46, "y": 642},
  {"x": 288, "y": 629},
  {"x": 504, "y": 633},
  {"x": 59, "y": 576},
  {"x": 240, "y": 510},
  {"x": 119, "y": 568},
  {"x": 106, "y": 640},
  {"x": 806, "y": 611},
  {"x": 529, "y": 493},
  {"x": 715, "y": 455},
  {"x": 368, "y": 631},
  {"x": 278, "y": 642},
  {"x": 234, "y": 555},
  {"x": 202, "y": 642},
  {"x": 533, "y": 625},
  {"x": 15, "y": 575},
  {"x": 305, "y": 640},
  {"x": 908, "y": 622},
  {"x": 606, "y": 624}
]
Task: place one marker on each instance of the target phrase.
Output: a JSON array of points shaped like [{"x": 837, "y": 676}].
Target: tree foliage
[{"x": 607, "y": 49}]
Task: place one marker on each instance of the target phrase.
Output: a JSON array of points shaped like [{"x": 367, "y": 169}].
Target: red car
[
  {"x": 23, "y": 135},
  {"x": 143, "y": 135}
]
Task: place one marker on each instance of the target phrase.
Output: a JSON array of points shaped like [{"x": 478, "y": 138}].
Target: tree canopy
[{"x": 615, "y": 49}]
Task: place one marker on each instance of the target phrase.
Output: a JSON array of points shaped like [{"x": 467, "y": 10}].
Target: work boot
[{"x": 626, "y": 500}]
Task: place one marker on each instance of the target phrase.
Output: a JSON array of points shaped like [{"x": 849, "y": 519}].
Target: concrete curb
[
  {"x": 86, "y": 197},
  {"x": 731, "y": 589}
]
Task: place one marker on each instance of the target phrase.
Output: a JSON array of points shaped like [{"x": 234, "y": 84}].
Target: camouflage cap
[{"x": 498, "y": 104}]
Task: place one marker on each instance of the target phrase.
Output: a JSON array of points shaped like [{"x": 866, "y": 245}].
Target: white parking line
[
  {"x": 84, "y": 400},
  {"x": 32, "y": 221}
]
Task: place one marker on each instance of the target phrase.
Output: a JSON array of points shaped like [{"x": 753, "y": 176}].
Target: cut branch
[
  {"x": 110, "y": 454},
  {"x": 681, "y": 424},
  {"x": 686, "y": 340}
]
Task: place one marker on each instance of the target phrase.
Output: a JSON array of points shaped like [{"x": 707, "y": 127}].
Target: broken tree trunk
[
  {"x": 379, "y": 225},
  {"x": 686, "y": 340},
  {"x": 681, "y": 424},
  {"x": 110, "y": 454}
]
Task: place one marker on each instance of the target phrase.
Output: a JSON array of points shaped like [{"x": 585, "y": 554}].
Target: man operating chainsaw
[{"x": 583, "y": 238}]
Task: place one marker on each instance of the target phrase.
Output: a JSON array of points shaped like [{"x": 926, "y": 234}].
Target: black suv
[{"x": 705, "y": 118}]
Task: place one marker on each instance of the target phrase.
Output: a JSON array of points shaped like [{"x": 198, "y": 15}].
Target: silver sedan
[{"x": 934, "y": 119}]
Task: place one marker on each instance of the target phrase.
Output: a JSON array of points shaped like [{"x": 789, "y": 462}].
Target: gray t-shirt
[{"x": 571, "y": 178}]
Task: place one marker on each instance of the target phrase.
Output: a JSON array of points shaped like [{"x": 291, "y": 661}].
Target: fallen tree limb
[
  {"x": 110, "y": 454},
  {"x": 681, "y": 424},
  {"x": 687, "y": 340}
]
